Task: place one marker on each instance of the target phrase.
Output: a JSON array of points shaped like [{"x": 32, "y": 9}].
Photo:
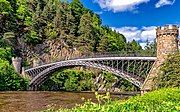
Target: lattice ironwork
[{"x": 133, "y": 69}]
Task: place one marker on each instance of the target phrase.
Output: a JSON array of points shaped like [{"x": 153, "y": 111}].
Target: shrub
[
  {"x": 9, "y": 79},
  {"x": 169, "y": 75},
  {"x": 164, "y": 100}
]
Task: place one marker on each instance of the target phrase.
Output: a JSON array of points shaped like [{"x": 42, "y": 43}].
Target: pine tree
[
  {"x": 77, "y": 10},
  {"x": 86, "y": 32},
  {"x": 134, "y": 47}
]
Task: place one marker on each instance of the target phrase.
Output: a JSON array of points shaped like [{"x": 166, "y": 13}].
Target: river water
[{"x": 36, "y": 101}]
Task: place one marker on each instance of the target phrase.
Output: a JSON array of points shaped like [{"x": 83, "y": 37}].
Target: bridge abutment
[
  {"x": 17, "y": 63},
  {"x": 167, "y": 43}
]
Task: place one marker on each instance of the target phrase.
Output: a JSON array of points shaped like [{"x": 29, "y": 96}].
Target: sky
[{"x": 136, "y": 19}]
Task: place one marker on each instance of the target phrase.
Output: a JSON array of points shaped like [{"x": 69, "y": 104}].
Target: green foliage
[
  {"x": 70, "y": 80},
  {"x": 34, "y": 21},
  {"x": 83, "y": 80},
  {"x": 133, "y": 46},
  {"x": 169, "y": 75},
  {"x": 9, "y": 79},
  {"x": 86, "y": 31},
  {"x": 6, "y": 54},
  {"x": 111, "y": 41},
  {"x": 5, "y": 7},
  {"x": 121, "y": 83},
  {"x": 109, "y": 78},
  {"x": 164, "y": 100},
  {"x": 32, "y": 38},
  {"x": 125, "y": 85},
  {"x": 150, "y": 48}
]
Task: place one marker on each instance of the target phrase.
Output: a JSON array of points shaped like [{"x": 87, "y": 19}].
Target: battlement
[
  {"x": 167, "y": 30},
  {"x": 167, "y": 27}
]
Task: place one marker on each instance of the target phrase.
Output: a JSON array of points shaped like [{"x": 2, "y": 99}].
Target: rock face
[
  {"x": 167, "y": 42},
  {"x": 100, "y": 84},
  {"x": 50, "y": 51}
]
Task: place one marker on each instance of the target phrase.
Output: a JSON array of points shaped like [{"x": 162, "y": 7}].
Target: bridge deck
[{"x": 99, "y": 59}]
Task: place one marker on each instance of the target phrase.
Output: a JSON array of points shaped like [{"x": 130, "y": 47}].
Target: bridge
[
  {"x": 138, "y": 70},
  {"x": 129, "y": 68}
]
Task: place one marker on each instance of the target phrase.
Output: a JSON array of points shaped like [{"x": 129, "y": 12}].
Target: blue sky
[
  {"x": 136, "y": 12},
  {"x": 136, "y": 19}
]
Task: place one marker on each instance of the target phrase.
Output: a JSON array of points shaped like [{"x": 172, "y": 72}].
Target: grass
[{"x": 163, "y": 100}]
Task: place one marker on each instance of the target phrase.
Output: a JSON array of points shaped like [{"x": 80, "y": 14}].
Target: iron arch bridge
[{"x": 132, "y": 69}]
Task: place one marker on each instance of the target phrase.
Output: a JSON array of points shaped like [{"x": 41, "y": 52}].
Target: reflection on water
[{"x": 34, "y": 101}]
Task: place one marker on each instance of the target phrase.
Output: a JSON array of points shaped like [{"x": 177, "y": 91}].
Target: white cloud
[
  {"x": 139, "y": 34},
  {"x": 129, "y": 32},
  {"x": 161, "y": 3},
  {"x": 99, "y": 12},
  {"x": 120, "y": 5},
  {"x": 148, "y": 33},
  {"x": 128, "y": 5}
]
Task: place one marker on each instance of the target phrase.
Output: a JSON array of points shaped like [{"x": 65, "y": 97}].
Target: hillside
[{"x": 45, "y": 31}]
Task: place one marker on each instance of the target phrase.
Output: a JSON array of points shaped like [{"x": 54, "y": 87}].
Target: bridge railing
[
  {"x": 100, "y": 55},
  {"x": 114, "y": 54}
]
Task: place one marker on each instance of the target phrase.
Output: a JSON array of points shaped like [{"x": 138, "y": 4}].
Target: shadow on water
[{"x": 34, "y": 101}]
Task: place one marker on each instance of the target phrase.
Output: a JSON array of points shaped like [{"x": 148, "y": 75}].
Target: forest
[{"x": 27, "y": 24}]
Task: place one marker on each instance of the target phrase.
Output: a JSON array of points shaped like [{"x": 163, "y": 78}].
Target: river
[{"x": 36, "y": 101}]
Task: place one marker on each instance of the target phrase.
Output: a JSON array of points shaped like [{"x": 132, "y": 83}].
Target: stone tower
[
  {"x": 17, "y": 64},
  {"x": 167, "y": 42}
]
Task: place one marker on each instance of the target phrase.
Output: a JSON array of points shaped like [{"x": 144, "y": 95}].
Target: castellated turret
[{"x": 167, "y": 40}]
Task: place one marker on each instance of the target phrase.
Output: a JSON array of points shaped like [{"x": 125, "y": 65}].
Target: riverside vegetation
[
  {"x": 164, "y": 100},
  {"x": 9, "y": 79}
]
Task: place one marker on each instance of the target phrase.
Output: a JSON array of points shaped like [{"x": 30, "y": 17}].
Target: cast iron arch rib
[{"x": 36, "y": 81}]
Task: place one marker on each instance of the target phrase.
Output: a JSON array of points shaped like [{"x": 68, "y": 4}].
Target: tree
[
  {"x": 70, "y": 80},
  {"x": 111, "y": 41},
  {"x": 7, "y": 16},
  {"x": 86, "y": 32},
  {"x": 150, "y": 48},
  {"x": 77, "y": 9},
  {"x": 134, "y": 47},
  {"x": 9, "y": 79},
  {"x": 6, "y": 54}
]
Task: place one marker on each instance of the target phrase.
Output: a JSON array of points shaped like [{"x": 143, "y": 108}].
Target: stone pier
[{"x": 17, "y": 63}]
